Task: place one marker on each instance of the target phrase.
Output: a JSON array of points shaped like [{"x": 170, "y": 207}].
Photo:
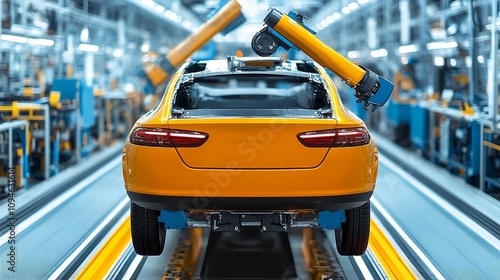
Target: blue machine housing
[
  {"x": 75, "y": 90},
  {"x": 419, "y": 127}
]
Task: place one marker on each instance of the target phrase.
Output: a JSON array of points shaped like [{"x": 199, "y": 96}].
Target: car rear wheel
[
  {"x": 148, "y": 235},
  {"x": 352, "y": 237}
]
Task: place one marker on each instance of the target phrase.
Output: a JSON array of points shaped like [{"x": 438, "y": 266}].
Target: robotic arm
[
  {"x": 289, "y": 31},
  {"x": 228, "y": 17}
]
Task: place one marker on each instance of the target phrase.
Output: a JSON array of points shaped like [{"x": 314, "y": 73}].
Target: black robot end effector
[
  {"x": 264, "y": 43},
  {"x": 367, "y": 87}
]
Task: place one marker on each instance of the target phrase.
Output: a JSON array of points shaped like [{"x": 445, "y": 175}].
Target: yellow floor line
[
  {"x": 394, "y": 265},
  {"x": 97, "y": 268},
  {"x": 102, "y": 261}
]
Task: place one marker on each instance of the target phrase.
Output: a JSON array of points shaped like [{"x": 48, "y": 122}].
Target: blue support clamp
[
  {"x": 173, "y": 219},
  {"x": 331, "y": 219}
]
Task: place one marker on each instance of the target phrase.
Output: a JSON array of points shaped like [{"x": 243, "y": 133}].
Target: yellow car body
[{"x": 249, "y": 163}]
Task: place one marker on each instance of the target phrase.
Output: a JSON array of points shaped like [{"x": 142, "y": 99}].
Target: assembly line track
[
  {"x": 84, "y": 249},
  {"x": 32, "y": 200},
  {"x": 61, "y": 234},
  {"x": 440, "y": 239},
  {"x": 483, "y": 209}
]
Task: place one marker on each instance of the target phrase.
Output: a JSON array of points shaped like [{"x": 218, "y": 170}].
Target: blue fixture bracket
[
  {"x": 173, "y": 219},
  {"x": 331, "y": 219}
]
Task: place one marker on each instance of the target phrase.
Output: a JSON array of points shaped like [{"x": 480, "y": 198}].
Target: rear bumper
[
  {"x": 186, "y": 203},
  {"x": 160, "y": 172}
]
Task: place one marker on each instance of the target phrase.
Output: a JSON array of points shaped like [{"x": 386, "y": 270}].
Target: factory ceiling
[{"x": 203, "y": 7}]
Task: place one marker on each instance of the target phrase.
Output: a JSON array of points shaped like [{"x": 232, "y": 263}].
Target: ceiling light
[
  {"x": 169, "y": 14},
  {"x": 480, "y": 59},
  {"x": 117, "y": 53},
  {"x": 159, "y": 9},
  {"x": 439, "y": 61},
  {"x": 149, "y": 3},
  {"x": 40, "y": 24},
  {"x": 24, "y": 40},
  {"x": 330, "y": 19},
  {"x": 441, "y": 45},
  {"x": 145, "y": 47},
  {"x": 353, "y": 54},
  {"x": 346, "y": 10},
  {"x": 88, "y": 48},
  {"x": 13, "y": 38},
  {"x": 41, "y": 42},
  {"x": 84, "y": 35},
  {"x": 409, "y": 49},
  {"x": 324, "y": 23},
  {"x": 336, "y": 15},
  {"x": 353, "y": 6},
  {"x": 187, "y": 24},
  {"x": 379, "y": 53},
  {"x": 362, "y": 2}
]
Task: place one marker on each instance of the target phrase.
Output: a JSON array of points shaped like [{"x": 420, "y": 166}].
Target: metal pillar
[
  {"x": 432, "y": 143},
  {"x": 494, "y": 59},
  {"x": 46, "y": 156},
  {"x": 78, "y": 126},
  {"x": 482, "y": 165},
  {"x": 9, "y": 147},
  {"x": 472, "y": 53}
]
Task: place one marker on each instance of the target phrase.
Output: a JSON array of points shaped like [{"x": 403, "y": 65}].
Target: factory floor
[{"x": 436, "y": 226}]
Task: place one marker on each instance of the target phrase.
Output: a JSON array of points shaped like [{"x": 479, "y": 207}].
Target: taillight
[
  {"x": 162, "y": 137},
  {"x": 345, "y": 137}
]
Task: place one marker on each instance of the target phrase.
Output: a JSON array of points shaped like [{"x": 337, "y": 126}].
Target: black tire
[
  {"x": 148, "y": 235},
  {"x": 352, "y": 237}
]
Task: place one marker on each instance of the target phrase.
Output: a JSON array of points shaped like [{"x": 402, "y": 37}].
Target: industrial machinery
[
  {"x": 289, "y": 32},
  {"x": 13, "y": 156}
]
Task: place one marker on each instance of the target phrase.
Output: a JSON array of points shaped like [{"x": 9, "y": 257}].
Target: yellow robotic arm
[
  {"x": 159, "y": 72},
  {"x": 289, "y": 31}
]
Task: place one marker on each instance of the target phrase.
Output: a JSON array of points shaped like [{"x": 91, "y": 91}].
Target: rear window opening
[{"x": 254, "y": 95}]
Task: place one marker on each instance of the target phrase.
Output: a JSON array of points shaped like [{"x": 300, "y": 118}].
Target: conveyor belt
[{"x": 250, "y": 253}]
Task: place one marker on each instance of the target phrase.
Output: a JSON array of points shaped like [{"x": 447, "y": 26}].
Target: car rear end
[{"x": 251, "y": 135}]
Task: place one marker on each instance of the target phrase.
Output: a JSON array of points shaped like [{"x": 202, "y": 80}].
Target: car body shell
[{"x": 248, "y": 170}]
